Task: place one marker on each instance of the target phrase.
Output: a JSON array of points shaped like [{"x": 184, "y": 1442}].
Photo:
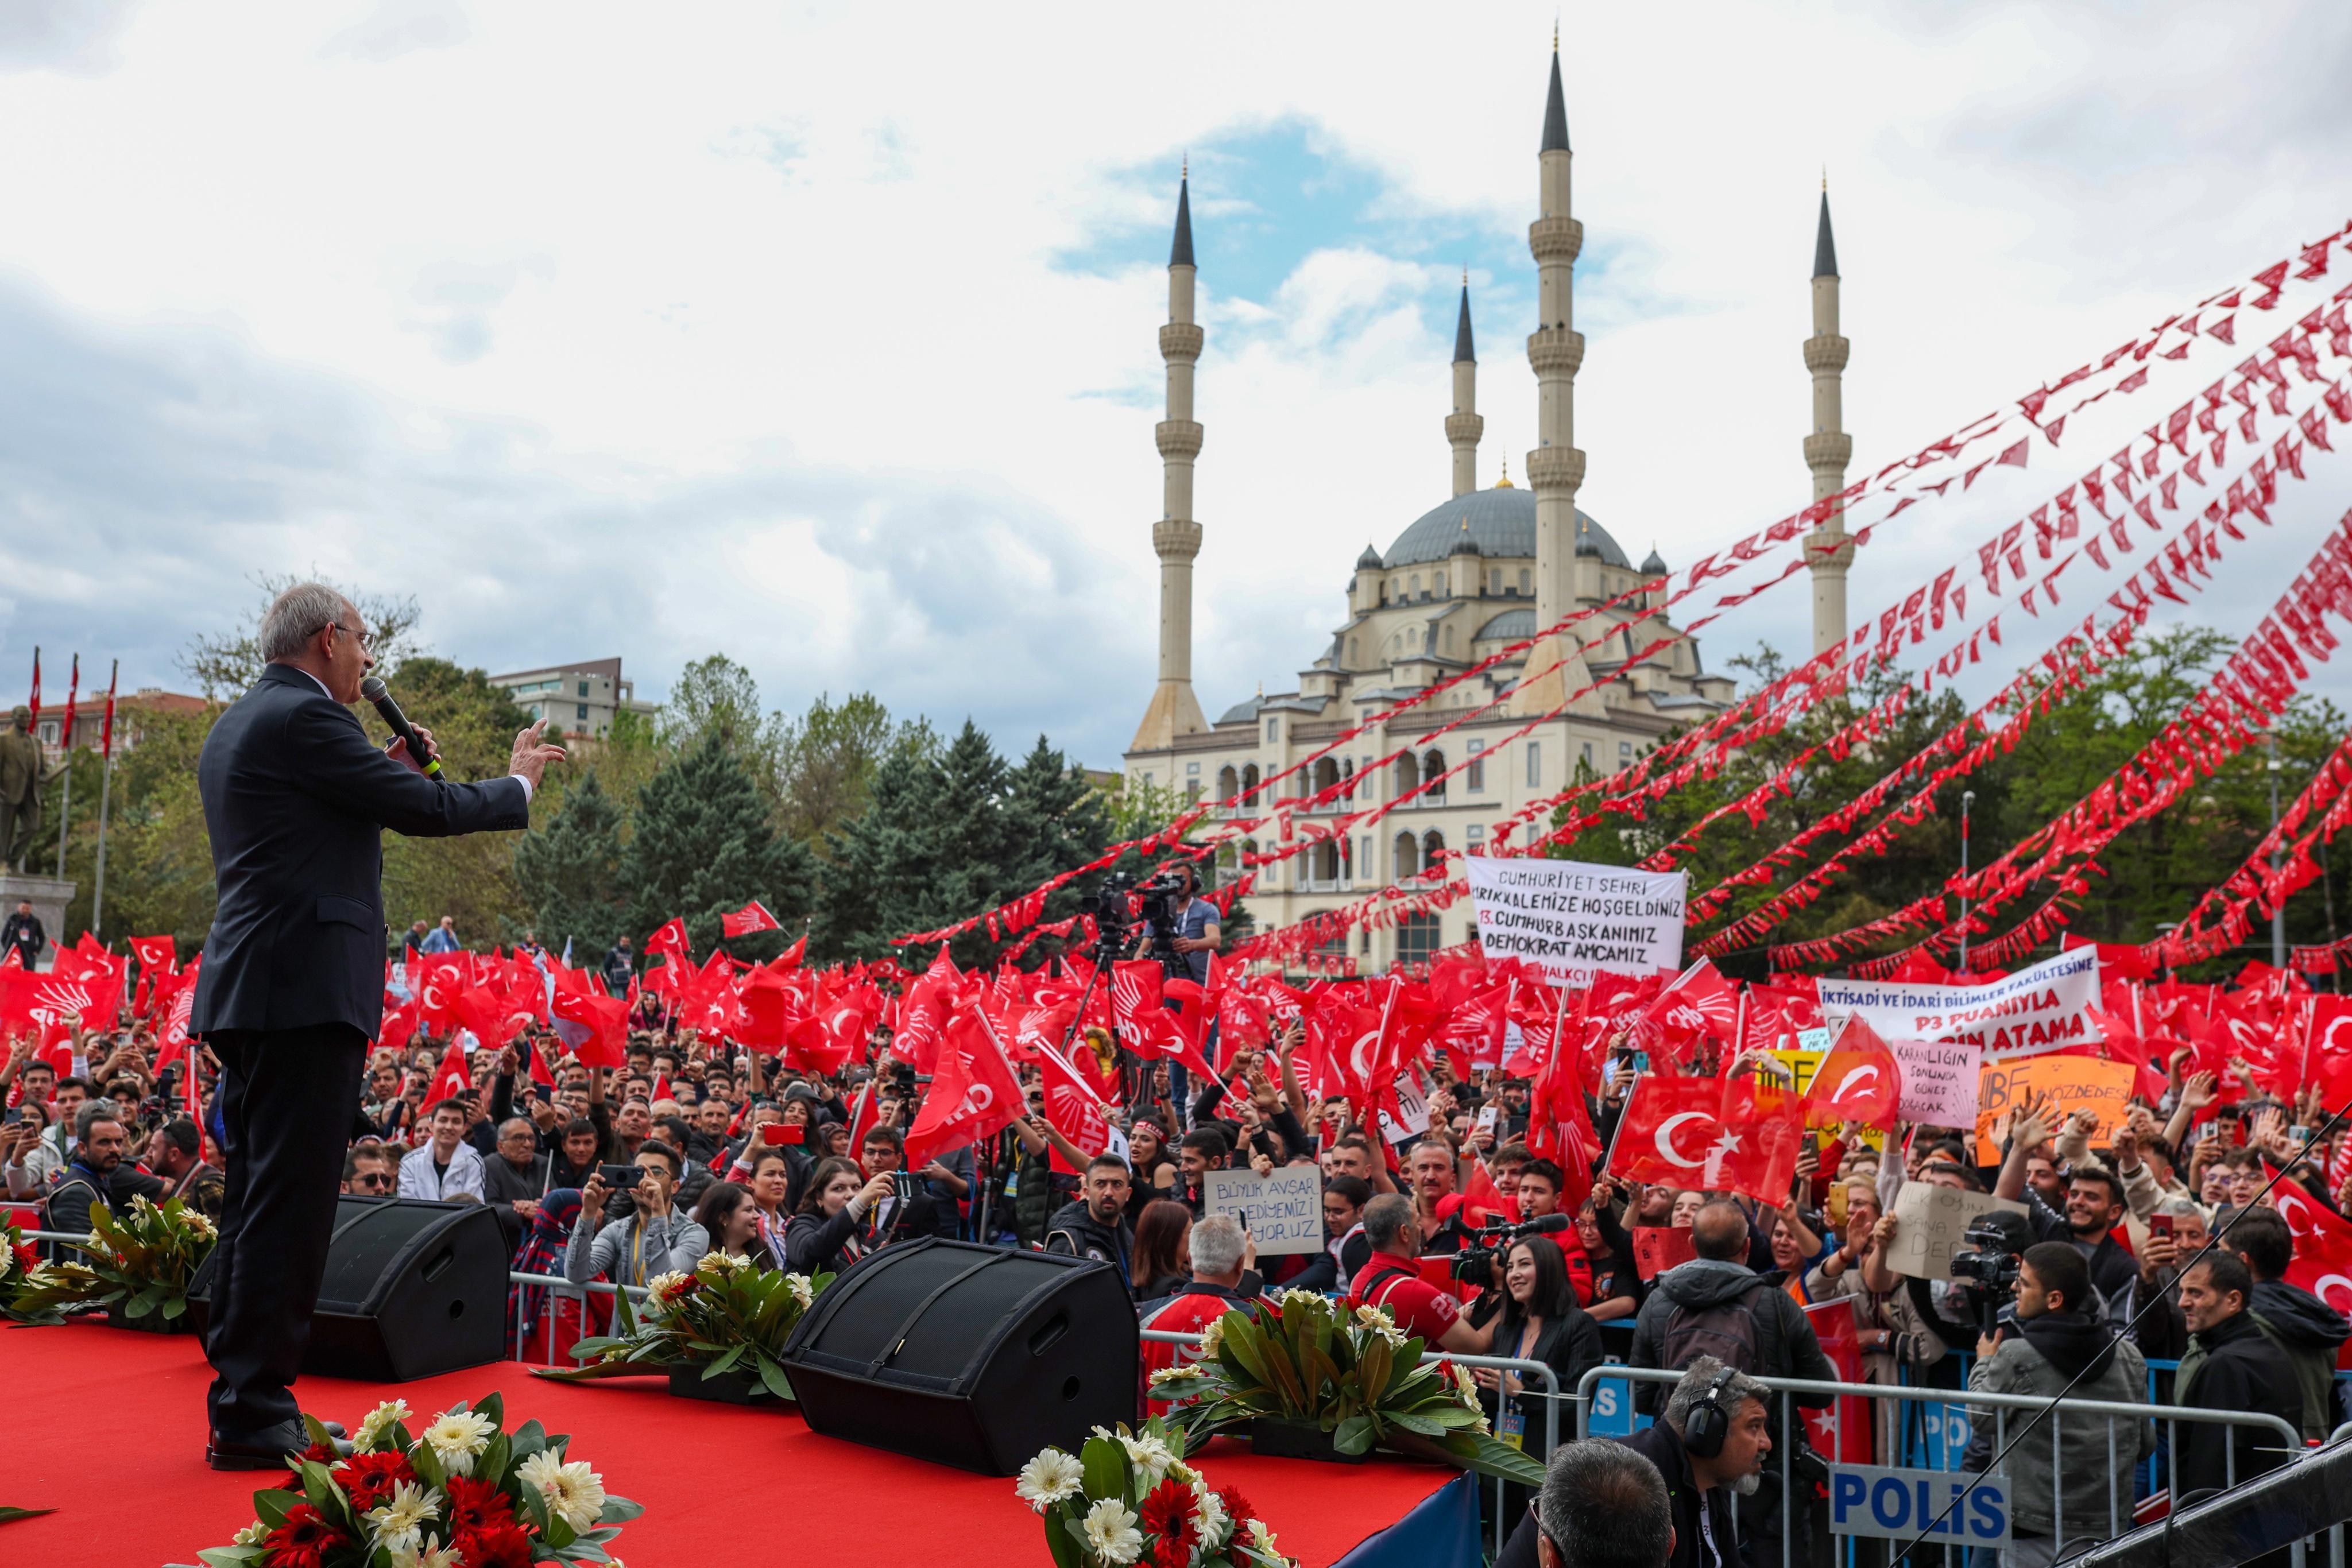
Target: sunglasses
[{"x": 372, "y": 1182}]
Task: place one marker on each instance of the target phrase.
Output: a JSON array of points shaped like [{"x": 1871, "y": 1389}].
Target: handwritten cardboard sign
[
  {"x": 1577, "y": 920},
  {"x": 1930, "y": 1224},
  {"x": 1283, "y": 1212},
  {"x": 2079, "y": 1082},
  {"x": 1939, "y": 1080},
  {"x": 1658, "y": 1247}
]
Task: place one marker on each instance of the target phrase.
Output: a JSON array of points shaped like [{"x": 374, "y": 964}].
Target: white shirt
[
  {"x": 323, "y": 686},
  {"x": 418, "y": 1179}
]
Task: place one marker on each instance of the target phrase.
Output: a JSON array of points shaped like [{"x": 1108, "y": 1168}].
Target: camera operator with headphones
[
  {"x": 1194, "y": 933},
  {"x": 1710, "y": 1443}
]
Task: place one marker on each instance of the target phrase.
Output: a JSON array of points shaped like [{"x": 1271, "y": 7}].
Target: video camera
[
  {"x": 1122, "y": 906},
  {"x": 1475, "y": 1264},
  {"x": 1987, "y": 1275}
]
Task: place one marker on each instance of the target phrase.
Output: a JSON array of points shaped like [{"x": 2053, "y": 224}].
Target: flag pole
[
  {"x": 65, "y": 760},
  {"x": 105, "y": 794}
]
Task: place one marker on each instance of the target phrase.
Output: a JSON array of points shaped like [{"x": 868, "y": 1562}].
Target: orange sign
[{"x": 2080, "y": 1083}]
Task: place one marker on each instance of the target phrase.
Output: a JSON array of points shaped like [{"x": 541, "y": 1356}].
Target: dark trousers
[{"x": 287, "y": 1098}]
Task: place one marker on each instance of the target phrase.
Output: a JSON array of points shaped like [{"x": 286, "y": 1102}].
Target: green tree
[
  {"x": 569, "y": 872},
  {"x": 706, "y": 844},
  {"x": 827, "y": 759},
  {"x": 224, "y": 664},
  {"x": 158, "y": 862},
  {"x": 879, "y": 868},
  {"x": 470, "y": 877},
  {"x": 716, "y": 699},
  {"x": 1055, "y": 819}
]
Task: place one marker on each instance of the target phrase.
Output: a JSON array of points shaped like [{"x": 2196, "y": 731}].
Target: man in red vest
[{"x": 1222, "y": 1253}]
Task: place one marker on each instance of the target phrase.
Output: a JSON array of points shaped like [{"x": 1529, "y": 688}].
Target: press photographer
[{"x": 655, "y": 1240}]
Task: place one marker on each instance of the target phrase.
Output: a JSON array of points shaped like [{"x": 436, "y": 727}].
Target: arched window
[
  {"x": 1408, "y": 775},
  {"x": 1229, "y": 783},
  {"x": 1432, "y": 843},
  {"x": 1249, "y": 777},
  {"x": 1347, "y": 771},
  {"x": 1326, "y": 775},
  {"x": 1432, "y": 768},
  {"x": 1415, "y": 586},
  {"x": 1412, "y": 637},
  {"x": 1228, "y": 859},
  {"x": 1408, "y": 856},
  {"x": 1526, "y": 583},
  {"x": 1348, "y": 859},
  {"x": 1327, "y": 861},
  {"x": 1439, "y": 580}
]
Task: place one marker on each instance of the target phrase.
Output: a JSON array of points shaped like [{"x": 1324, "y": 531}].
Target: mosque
[{"x": 1472, "y": 575}]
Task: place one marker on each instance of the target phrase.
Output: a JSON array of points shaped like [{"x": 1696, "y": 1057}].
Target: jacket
[
  {"x": 68, "y": 1202},
  {"x": 1786, "y": 1345},
  {"x": 1571, "y": 1345},
  {"x": 633, "y": 1251},
  {"x": 2307, "y": 1331},
  {"x": 296, "y": 801},
  {"x": 2112, "y": 1267},
  {"x": 1075, "y": 1233},
  {"x": 2038, "y": 1360},
  {"x": 419, "y": 1178},
  {"x": 23, "y": 933},
  {"x": 1662, "y": 1447},
  {"x": 816, "y": 1244},
  {"x": 2239, "y": 1369}
]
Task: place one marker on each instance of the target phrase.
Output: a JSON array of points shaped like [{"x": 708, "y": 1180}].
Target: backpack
[{"x": 1728, "y": 1331}]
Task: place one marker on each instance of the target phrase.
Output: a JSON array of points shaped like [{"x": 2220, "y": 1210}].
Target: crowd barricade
[{"x": 1604, "y": 1408}]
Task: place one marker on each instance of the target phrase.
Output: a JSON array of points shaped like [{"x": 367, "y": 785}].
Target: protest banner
[
  {"x": 2035, "y": 1010},
  {"x": 1283, "y": 1212},
  {"x": 1939, "y": 1080},
  {"x": 1658, "y": 1247},
  {"x": 1931, "y": 1223},
  {"x": 1576, "y": 920},
  {"x": 2079, "y": 1083}
]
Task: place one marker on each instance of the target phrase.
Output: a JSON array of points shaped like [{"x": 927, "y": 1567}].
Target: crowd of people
[{"x": 1458, "y": 1232}]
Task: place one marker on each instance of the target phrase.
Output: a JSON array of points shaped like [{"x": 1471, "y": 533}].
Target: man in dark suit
[{"x": 292, "y": 991}]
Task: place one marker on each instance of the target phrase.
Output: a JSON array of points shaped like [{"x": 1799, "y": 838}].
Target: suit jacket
[{"x": 296, "y": 800}]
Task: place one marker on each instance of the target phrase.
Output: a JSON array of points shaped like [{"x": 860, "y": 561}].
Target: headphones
[{"x": 1708, "y": 1424}]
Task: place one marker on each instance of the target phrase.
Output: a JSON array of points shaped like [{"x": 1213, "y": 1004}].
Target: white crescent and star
[
  {"x": 2328, "y": 1284},
  {"x": 1665, "y": 1137},
  {"x": 1868, "y": 1069}
]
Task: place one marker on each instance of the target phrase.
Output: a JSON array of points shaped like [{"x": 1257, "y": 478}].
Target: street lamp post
[
  {"x": 2278, "y": 908},
  {"x": 1968, "y": 799}
]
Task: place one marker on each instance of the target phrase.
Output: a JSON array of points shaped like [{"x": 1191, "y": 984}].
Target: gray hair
[
  {"x": 2183, "y": 1209},
  {"x": 1603, "y": 1505},
  {"x": 296, "y": 616},
  {"x": 1702, "y": 1373},
  {"x": 1217, "y": 1244},
  {"x": 1386, "y": 1216}
]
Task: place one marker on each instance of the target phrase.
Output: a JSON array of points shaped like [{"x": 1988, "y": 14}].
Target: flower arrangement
[
  {"x": 1353, "y": 1376},
  {"x": 464, "y": 1491},
  {"x": 1127, "y": 1497},
  {"x": 25, "y": 1281},
  {"x": 723, "y": 1316},
  {"x": 141, "y": 1263}
]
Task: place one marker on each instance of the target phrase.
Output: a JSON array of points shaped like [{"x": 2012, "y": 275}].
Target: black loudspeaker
[
  {"x": 412, "y": 1290},
  {"x": 971, "y": 1356}
]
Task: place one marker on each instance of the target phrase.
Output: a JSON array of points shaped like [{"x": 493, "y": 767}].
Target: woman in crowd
[
  {"x": 824, "y": 1238},
  {"x": 1163, "y": 1242},
  {"x": 1616, "y": 1287},
  {"x": 732, "y": 1219},
  {"x": 1155, "y": 1170},
  {"x": 1539, "y": 1321},
  {"x": 1687, "y": 1202},
  {"x": 771, "y": 1185}
]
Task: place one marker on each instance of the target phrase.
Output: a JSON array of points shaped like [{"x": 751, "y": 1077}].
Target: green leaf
[
  {"x": 619, "y": 1510},
  {"x": 1413, "y": 1423},
  {"x": 1353, "y": 1435},
  {"x": 725, "y": 1362},
  {"x": 555, "y": 1533},
  {"x": 270, "y": 1506},
  {"x": 10, "y": 1515},
  {"x": 771, "y": 1378},
  {"x": 1067, "y": 1554},
  {"x": 1105, "y": 1467},
  {"x": 493, "y": 1405}
]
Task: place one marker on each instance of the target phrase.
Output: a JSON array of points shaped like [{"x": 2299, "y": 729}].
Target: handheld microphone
[{"x": 377, "y": 692}]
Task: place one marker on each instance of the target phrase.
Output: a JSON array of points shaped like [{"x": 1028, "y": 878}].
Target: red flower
[
  {"x": 367, "y": 1479},
  {"x": 325, "y": 1453},
  {"x": 1237, "y": 1507},
  {"x": 1167, "y": 1515},
  {"x": 502, "y": 1545},
  {"x": 29, "y": 1256},
  {"x": 303, "y": 1541},
  {"x": 476, "y": 1505}
]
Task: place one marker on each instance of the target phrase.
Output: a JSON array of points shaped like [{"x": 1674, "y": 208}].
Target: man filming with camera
[
  {"x": 1192, "y": 930},
  {"x": 655, "y": 1240},
  {"x": 2054, "y": 1337}
]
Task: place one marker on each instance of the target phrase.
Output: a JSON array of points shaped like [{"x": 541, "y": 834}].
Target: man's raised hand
[{"x": 531, "y": 757}]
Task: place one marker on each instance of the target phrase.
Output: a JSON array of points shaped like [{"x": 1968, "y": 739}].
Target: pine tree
[
  {"x": 570, "y": 872},
  {"x": 879, "y": 869},
  {"x": 1054, "y": 820},
  {"x": 706, "y": 844}
]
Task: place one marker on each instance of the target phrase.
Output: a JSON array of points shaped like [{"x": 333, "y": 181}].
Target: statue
[{"x": 22, "y": 774}]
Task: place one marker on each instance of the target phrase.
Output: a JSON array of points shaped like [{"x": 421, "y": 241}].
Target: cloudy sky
[{"x": 825, "y": 336}]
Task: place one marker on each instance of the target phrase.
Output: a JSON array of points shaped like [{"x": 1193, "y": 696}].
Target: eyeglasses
[
  {"x": 366, "y": 639},
  {"x": 375, "y": 1183}
]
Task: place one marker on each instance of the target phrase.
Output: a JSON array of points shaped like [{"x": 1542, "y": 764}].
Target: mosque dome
[{"x": 1502, "y": 525}]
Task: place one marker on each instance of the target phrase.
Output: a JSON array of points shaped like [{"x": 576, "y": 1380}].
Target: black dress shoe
[{"x": 270, "y": 1450}]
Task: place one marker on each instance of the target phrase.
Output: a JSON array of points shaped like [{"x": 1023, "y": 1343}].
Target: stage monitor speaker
[
  {"x": 971, "y": 1356},
  {"x": 412, "y": 1289}
]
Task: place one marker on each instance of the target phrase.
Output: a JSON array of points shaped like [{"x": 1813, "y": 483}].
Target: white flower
[
  {"x": 1150, "y": 1456},
  {"x": 1049, "y": 1478},
  {"x": 1167, "y": 1373},
  {"x": 667, "y": 1285},
  {"x": 1263, "y": 1538},
  {"x": 199, "y": 1224},
  {"x": 456, "y": 1436},
  {"x": 399, "y": 1522},
  {"x": 1111, "y": 1532},
  {"x": 1464, "y": 1384},
  {"x": 378, "y": 1421},
  {"x": 252, "y": 1535},
  {"x": 430, "y": 1557},
  {"x": 1212, "y": 1336},
  {"x": 1210, "y": 1508},
  {"x": 1307, "y": 1299},
  {"x": 575, "y": 1493},
  {"x": 1372, "y": 1317},
  {"x": 803, "y": 1291}
]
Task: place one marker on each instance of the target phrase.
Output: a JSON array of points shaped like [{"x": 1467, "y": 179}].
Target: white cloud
[{"x": 755, "y": 331}]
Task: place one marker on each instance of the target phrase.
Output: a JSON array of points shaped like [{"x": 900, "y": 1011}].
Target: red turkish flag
[
  {"x": 1669, "y": 1128},
  {"x": 486, "y": 1013},
  {"x": 974, "y": 1093},
  {"x": 1144, "y": 1024},
  {"x": 593, "y": 1023},
  {"x": 1843, "y": 1430},
  {"x": 752, "y": 916},
  {"x": 2328, "y": 1049},
  {"x": 450, "y": 1079},
  {"x": 441, "y": 979},
  {"x": 791, "y": 956},
  {"x": 156, "y": 954},
  {"x": 670, "y": 938},
  {"x": 1859, "y": 1080},
  {"x": 2322, "y": 1244},
  {"x": 1700, "y": 1004}
]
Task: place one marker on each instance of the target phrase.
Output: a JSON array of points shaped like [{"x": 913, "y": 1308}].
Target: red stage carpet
[{"x": 107, "y": 1427}]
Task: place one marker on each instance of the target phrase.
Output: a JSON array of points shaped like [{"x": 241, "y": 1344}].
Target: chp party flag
[
  {"x": 974, "y": 1093},
  {"x": 752, "y": 916}
]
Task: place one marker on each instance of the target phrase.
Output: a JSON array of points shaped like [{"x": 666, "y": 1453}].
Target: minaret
[
  {"x": 1174, "y": 710},
  {"x": 1555, "y": 468},
  {"x": 1829, "y": 551},
  {"x": 1463, "y": 426}
]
